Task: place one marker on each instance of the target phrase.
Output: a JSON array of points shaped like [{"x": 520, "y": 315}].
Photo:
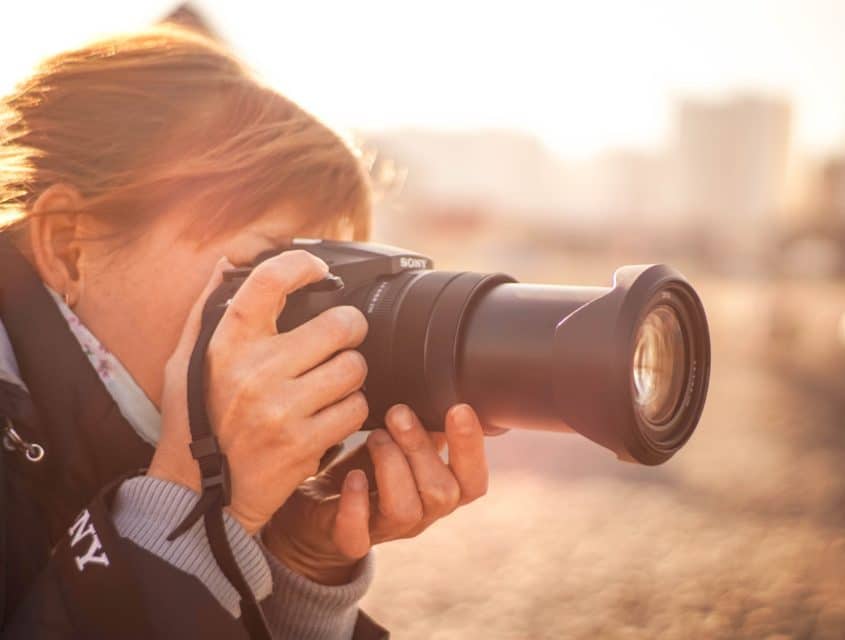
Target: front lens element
[{"x": 659, "y": 365}]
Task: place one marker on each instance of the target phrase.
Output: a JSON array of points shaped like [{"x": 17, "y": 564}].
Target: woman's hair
[{"x": 139, "y": 122}]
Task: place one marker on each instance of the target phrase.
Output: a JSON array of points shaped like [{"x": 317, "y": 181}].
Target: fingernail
[
  {"x": 356, "y": 480},
  {"x": 402, "y": 418},
  {"x": 380, "y": 436},
  {"x": 464, "y": 419}
]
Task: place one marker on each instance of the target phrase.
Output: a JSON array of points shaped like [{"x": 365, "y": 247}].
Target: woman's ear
[{"x": 54, "y": 232}]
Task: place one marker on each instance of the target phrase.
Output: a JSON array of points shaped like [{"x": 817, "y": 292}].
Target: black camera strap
[{"x": 214, "y": 467}]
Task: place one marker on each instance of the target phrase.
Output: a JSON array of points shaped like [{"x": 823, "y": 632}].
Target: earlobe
[{"x": 53, "y": 239}]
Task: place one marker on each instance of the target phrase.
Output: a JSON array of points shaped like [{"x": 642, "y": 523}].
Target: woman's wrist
[
  {"x": 188, "y": 477},
  {"x": 326, "y": 571}
]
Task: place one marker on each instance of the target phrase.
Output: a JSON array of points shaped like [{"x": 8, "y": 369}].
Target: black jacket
[{"x": 64, "y": 571}]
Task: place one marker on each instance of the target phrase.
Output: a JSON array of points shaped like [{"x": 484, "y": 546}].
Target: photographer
[{"x": 137, "y": 170}]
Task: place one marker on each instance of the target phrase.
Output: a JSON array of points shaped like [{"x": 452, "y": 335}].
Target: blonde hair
[{"x": 140, "y": 121}]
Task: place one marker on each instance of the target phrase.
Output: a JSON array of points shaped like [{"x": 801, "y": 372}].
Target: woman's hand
[
  {"x": 333, "y": 519},
  {"x": 277, "y": 401}
]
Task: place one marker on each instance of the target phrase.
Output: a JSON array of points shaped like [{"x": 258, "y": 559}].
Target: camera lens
[
  {"x": 625, "y": 365},
  {"x": 659, "y": 365}
]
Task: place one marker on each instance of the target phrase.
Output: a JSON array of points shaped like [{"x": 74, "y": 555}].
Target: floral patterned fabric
[{"x": 133, "y": 403}]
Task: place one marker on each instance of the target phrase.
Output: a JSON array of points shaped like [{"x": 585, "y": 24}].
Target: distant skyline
[{"x": 582, "y": 77}]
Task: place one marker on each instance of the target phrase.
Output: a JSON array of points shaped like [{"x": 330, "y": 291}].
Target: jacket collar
[
  {"x": 133, "y": 403},
  {"x": 87, "y": 441}
]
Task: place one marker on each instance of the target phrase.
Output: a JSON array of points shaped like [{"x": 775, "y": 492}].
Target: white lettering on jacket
[{"x": 84, "y": 528}]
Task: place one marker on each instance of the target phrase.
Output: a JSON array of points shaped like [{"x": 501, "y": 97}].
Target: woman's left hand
[{"x": 393, "y": 487}]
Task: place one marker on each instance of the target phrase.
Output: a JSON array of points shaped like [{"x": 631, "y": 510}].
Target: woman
[{"x": 134, "y": 172}]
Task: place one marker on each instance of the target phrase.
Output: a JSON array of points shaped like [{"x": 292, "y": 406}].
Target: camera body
[{"x": 409, "y": 361}]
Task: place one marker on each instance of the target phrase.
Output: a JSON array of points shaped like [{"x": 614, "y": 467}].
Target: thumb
[
  {"x": 351, "y": 533},
  {"x": 172, "y": 460}
]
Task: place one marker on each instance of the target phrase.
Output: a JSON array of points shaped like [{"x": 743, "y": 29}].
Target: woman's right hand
[{"x": 277, "y": 402}]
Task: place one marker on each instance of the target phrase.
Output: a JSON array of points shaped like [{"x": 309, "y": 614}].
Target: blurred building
[
  {"x": 732, "y": 158},
  {"x": 635, "y": 188}
]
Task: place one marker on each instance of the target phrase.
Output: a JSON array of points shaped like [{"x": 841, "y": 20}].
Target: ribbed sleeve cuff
[
  {"x": 302, "y": 609},
  {"x": 147, "y": 509}
]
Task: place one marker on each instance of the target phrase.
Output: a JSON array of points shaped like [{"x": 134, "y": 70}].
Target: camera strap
[{"x": 214, "y": 467}]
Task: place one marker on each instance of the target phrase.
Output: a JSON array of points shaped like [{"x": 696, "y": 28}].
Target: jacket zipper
[{"x": 12, "y": 441}]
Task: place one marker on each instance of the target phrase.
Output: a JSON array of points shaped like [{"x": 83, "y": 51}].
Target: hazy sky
[{"x": 583, "y": 76}]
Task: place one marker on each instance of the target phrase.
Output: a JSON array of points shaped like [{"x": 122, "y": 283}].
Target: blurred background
[{"x": 556, "y": 141}]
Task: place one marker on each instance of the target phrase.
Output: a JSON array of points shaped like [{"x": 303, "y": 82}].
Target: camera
[{"x": 626, "y": 366}]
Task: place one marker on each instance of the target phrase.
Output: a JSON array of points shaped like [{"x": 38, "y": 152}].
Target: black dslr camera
[{"x": 627, "y": 366}]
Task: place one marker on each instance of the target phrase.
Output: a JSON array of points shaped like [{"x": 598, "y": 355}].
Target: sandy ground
[{"x": 741, "y": 535}]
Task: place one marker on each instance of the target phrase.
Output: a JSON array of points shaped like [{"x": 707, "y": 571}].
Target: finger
[
  {"x": 466, "y": 451},
  {"x": 399, "y": 505},
  {"x": 359, "y": 458},
  {"x": 331, "y": 381},
  {"x": 312, "y": 342},
  {"x": 351, "y": 532},
  {"x": 439, "y": 491},
  {"x": 193, "y": 323},
  {"x": 261, "y": 298},
  {"x": 336, "y": 422}
]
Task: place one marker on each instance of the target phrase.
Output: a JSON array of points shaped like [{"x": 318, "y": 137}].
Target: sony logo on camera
[{"x": 408, "y": 262}]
